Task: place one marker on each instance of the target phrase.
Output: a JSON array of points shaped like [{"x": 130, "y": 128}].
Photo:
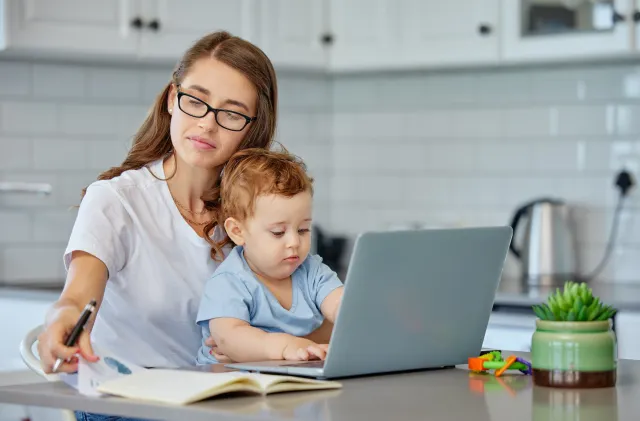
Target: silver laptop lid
[{"x": 417, "y": 299}]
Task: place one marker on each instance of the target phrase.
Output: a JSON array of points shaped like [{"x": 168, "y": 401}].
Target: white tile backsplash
[
  {"x": 15, "y": 79},
  {"x": 22, "y": 118},
  {"x": 16, "y": 152},
  {"x": 53, "y": 153},
  {"x": 469, "y": 147},
  {"x": 59, "y": 81},
  {"x": 429, "y": 148}
]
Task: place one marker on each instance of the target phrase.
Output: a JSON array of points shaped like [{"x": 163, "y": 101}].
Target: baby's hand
[{"x": 300, "y": 349}]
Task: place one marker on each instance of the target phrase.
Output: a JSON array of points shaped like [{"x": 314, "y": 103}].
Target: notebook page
[
  {"x": 175, "y": 386},
  {"x": 274, "y": 382}
]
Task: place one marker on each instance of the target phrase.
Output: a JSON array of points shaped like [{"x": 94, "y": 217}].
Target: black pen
[{"x": 77, "y": 330}]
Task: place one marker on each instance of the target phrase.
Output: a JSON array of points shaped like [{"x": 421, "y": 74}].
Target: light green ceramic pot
[{"x": 574, "y": 354}]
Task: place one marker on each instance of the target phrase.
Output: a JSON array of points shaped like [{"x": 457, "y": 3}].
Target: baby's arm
[
  {"x": 331, "y": 305},
  {"x": 242, "y": 342},
  {"x": 327, "y": 289}
]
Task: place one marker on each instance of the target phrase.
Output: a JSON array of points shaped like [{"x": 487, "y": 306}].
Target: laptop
[{"x": 413, "y": 300}]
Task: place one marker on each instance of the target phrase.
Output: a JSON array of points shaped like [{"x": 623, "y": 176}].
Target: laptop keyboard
[{"x": 307, "y": 364}]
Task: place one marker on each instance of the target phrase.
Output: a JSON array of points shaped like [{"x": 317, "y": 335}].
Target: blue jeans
[{"x": 88, "y": 416}]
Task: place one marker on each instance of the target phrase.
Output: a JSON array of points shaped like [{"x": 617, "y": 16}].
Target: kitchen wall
[
  {"x": 428, "y": 148},
  {"x": 65, "y": 123},
  {"x": 467, "y": 147}
]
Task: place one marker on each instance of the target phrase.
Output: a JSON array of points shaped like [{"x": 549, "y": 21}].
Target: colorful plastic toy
[{"x": 493, "y": 360}]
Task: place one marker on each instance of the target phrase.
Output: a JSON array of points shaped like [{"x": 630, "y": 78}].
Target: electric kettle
[{"x": 548, "y": 250}]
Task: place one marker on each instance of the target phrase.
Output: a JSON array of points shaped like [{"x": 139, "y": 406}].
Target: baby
[{"x": 269, "y": 291}]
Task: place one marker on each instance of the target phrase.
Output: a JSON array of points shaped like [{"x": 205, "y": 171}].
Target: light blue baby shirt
[{"x": 234, "y": 291}]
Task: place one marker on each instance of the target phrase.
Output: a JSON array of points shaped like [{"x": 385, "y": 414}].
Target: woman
[{"x": 144, "y": 241}]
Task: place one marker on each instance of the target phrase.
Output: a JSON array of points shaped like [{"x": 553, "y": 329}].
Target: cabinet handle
[
  {"x": 154, "y": 25},
  {"x": 617, "y": 17},
  {"x": 484, "y": 29},
  {"x": 636, "y": 16},
  {"x": 136, "y": 23},
  {"x": 326, "y": 39}
]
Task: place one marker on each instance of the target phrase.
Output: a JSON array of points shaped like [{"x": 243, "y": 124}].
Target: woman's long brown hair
[{"x": 153, "y": 141}]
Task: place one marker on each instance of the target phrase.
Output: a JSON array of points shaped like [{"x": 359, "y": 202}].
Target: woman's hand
[
  {"x": 300, "y": 349},
  {"x": 216, "y": 352},
  {"x": 51, "y": 342}
]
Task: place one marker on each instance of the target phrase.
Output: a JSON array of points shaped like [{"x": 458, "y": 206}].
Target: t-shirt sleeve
[
  {"x": 324, "y": 280},
  {"x": 101, "y": 228},
  {"x": 225, "y": 295}
]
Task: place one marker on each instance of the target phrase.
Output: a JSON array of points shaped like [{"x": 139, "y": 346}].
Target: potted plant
[{"x": 574, "y": 344}]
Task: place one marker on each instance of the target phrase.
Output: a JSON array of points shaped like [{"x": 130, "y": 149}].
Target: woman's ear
[
  {"x": 234, "y": 230},
  {"x": 171, "y": 98}
]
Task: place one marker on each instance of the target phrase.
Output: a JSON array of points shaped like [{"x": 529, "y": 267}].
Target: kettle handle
[{"x": 514, "y": 223}]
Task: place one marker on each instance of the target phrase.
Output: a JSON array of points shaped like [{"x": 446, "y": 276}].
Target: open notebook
[{"x": 182, "y": 387}]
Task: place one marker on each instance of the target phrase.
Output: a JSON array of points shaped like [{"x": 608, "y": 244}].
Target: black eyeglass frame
[{"x": 215, "y": 111}]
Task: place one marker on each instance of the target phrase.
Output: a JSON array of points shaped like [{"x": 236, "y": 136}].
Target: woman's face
[{"x": 202, "y": 141}]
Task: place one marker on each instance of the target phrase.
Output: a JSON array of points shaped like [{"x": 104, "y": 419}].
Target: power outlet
[{"x": 624, "y": 181}]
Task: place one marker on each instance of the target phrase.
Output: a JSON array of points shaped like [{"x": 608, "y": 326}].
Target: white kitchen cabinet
[
  {"x": 293, "y": 33},
  {"x": 628, "y": 335},
  {"x": 547, "y": 30},
  {"x": 410, "y": 34},
  {"x": 509, "y": 332},
  {"x": 635, "y": 19},
  {"x": 72, "y": 27},
  {"x": 364, "y": 34},
  {"x": 442, "y": 33},
  {"x": 170, "y": 27},
  {"x": 290, "y": 31},
  {"x": 19, "y": 314}
]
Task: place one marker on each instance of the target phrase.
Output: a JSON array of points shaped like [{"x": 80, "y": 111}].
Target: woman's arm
[
  {"x": 242, "y": 342},
  {"x": 86, "y": 280}
]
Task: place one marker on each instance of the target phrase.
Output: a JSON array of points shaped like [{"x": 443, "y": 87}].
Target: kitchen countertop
[
  {"x": 513, "y": 292},
  {"x": 44, "y": 292},
  {"x": 449, "y": 394}
]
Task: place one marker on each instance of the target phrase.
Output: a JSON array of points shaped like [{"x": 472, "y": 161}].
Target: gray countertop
[
  {"x": 450, "y": 394},
  {"x": 514, "y": 292},
  {"x": 30, "y": 292},
  {"x": 511, "y": 292}
]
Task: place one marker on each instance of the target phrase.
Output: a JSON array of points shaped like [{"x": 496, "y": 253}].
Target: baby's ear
[{"x": 234, "y": 230}]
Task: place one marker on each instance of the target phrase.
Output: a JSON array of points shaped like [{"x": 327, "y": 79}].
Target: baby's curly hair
[{"x": 252, "y": 172}]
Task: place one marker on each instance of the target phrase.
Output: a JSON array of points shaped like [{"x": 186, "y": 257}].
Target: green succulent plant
[{"x": 574, "y": 303}]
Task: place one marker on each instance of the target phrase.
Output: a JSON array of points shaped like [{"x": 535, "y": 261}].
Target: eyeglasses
[{"x": 195, "y": 107}]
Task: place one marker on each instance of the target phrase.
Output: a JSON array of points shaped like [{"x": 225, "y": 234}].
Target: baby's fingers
[
  {"x": 317, "y": 351},
  {"x": 302, "y": 354}
]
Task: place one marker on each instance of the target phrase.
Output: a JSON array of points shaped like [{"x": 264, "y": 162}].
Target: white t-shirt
[{"x": 157, "y": 264}]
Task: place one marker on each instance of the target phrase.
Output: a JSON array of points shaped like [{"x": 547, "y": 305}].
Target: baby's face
[{"x": 278, "y": 236}]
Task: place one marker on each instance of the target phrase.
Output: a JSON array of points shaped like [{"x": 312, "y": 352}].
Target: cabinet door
[
  {"x": 365, "y": 34},
  {"x": 70, "y": 27},
  {"x": 24, "y": 314},
  {"x": 171, "y": 27},
  {"x": 555, "y": 29},
  {"x": 291, "y": 33},
  {"x": 509, "y": 332},
  {"x": 628, "y": 335},
  {"x": 435, "y": 32}
]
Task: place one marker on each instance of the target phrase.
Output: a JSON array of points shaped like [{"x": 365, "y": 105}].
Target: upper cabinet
[
  {"x": 329, "y": 35},
  {"x": 294, "y": 33},
  {"x": 452, "y": 32},
  {"x": 169, "y": 27},
  {"x": 82, "y": 27},
  {"x": 561, "y": 29},
  {"x": 406, "y": 34}
]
